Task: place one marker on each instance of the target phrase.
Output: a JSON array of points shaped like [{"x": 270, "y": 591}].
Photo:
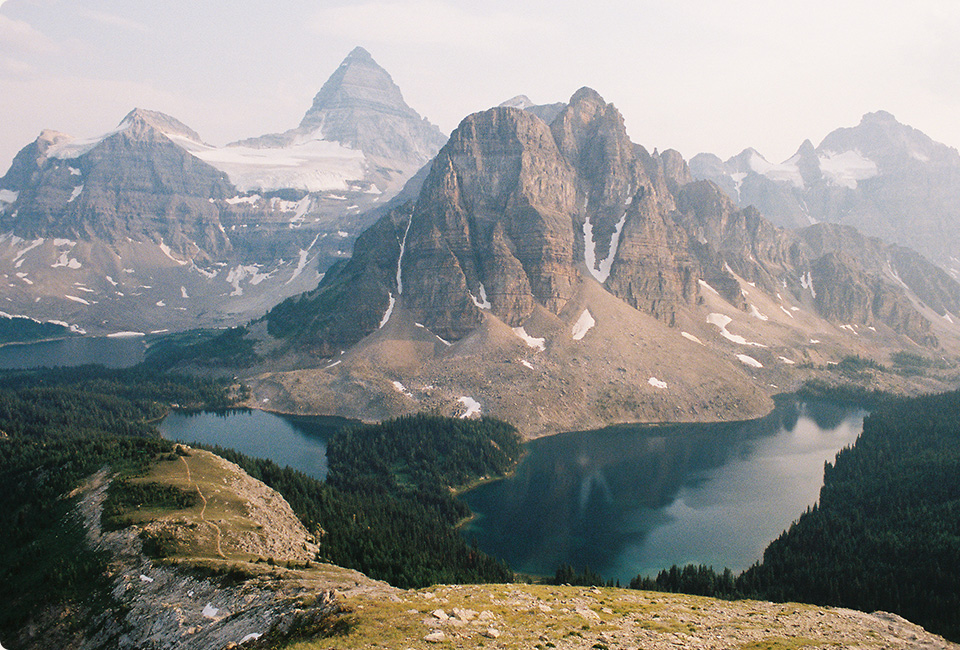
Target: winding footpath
[{"x": 203, "y": 511}]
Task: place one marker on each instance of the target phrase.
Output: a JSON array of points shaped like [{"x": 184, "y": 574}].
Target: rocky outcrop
[
  {"x": 353, "y": 296},
  {"x": 187, "y": 603},
  {"x": 546, "y": 112},
  {"x": 492, "y": 219}
]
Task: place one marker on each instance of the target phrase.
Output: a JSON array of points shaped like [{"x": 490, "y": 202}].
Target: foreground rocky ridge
[
  {"x": 185, "y": 601},
  {"x": 548, "y": 265},
  {"x": 171, "y": 604}
]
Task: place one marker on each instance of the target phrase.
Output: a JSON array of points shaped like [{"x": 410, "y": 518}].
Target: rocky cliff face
[
  {"x": 570, "y": 240},
  {"x": 131, "y": 232},
  {"x": 516, "y": 213},
  {"x": 136, "y": 182},
  {"x": 882, "y": 177}
]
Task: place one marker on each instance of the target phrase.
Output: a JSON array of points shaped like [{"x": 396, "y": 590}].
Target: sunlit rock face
[{"x": 516, "y": 214}]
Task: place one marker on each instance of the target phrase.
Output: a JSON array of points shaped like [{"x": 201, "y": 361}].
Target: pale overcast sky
[{"x": 693, "y": 75}]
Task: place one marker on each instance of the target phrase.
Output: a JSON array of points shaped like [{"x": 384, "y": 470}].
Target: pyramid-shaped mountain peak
[
  {"x": 359, "y": 83},
  {"x": 878, "y": 116},
  {"x": 362, "y": 108},
  {"x": 359, "y": 54}
]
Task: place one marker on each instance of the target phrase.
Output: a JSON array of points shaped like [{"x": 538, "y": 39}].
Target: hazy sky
[{"x": 693, "y": 75}]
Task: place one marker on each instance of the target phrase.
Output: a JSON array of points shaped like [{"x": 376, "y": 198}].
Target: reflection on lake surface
[
  {"x": 297, "y": 442},
  {"x": 112, "y": 352},
  {"x": 632, "y": 500}
]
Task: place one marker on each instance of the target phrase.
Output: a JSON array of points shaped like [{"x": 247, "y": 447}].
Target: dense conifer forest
[
  {"x": 17, "y": 329},
  {"x": 388, "y": 507},
  {"x": 56, "y": 428}
]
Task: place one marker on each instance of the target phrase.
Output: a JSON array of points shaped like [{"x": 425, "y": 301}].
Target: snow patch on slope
[
  {"x": 166, "y": 251},
  {"x": 847, "y": 168},
  {"x": 472, "y": 406},
  {"x": 532, "y": 341},
  {"x": 386, "y": 315},
  {"x": 308, "y": 163},
  {"x": 787, "y": 171},
  {"x": 721, "y": 321},
  {"x": 583, "y": 325},
  {"x": 402, "y": 389},
  {"x": 403, "y": 247},
  {"x": 749, "y": 361},
  {"x": 600, "y": 271},
  {"x": 302, "y": 262},
  {"x": 708, "y": 288},
  {"x": 482, "y": 303},
  {"x": 806, "y": 282},
  {"x": 756, "y": 313},
  {"x": 241, "y": 272}
]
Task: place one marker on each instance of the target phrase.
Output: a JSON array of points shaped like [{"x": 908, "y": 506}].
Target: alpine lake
[{"x": 624, "y": 501}]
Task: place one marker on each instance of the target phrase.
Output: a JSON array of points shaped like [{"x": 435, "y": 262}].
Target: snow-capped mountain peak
[{"x": 136, "y": 123}]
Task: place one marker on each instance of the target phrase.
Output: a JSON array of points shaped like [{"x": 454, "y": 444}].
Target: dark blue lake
[
  {"x": 112, "y": 352},
  {"x": 631, "y": 500},
  {"x": 289, "y": 441}
]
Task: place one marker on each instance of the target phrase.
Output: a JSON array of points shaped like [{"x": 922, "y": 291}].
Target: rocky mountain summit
[
  {"x": 361, "y": 110},
  {"x": 565, "y": 261},
  {"x": 882, "y": 177},
  {"x": 147, "y": 227}
]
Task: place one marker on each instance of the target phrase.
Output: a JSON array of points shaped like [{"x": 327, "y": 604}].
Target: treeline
[
  {"x": 388, "y": 507},
  {"x": 58, "y": 427},
  {"x": 70, "y": 402},
  {"x": 885, "y": 534},
  {"x": 19, "y": 329}
]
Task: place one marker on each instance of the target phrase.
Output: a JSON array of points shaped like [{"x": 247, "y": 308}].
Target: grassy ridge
[{"x": 56, "y": 428}]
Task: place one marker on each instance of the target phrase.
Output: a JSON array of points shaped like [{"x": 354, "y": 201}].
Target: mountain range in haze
[
  {"x": 882, "y": 177},
  {"x": 549, "y": 264},
  {"x": 147, "y": 227},
  {"x": 538, "y": 258}
]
